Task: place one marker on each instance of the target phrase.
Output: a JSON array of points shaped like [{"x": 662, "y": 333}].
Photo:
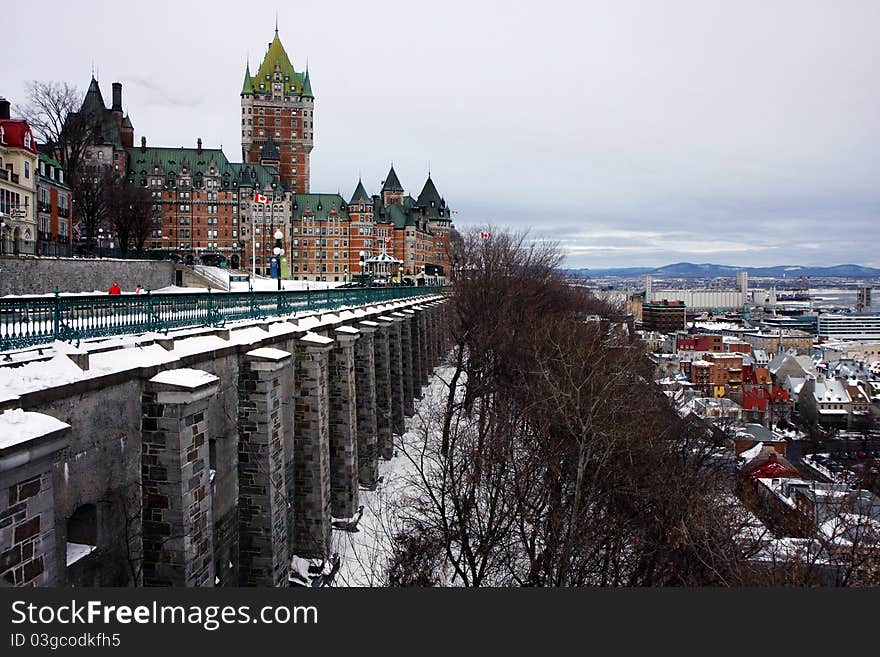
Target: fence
[{"x": 25, "y": 322}]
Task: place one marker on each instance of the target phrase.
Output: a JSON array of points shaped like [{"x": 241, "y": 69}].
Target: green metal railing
[{"x": 25, "y": 322}]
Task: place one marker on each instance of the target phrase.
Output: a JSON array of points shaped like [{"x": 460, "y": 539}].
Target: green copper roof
[
  {"x": 319, "y": 206},
  {"x": 247, "y": 87},
  {"x": 126, "y": 122},
  {"x": 293, "y": 82},
  {"x": 307, "y": 86},
  {"x": 171, "y": 161}
]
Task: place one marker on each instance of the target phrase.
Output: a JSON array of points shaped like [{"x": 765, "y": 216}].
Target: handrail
[{"x": 29, "y": 321}]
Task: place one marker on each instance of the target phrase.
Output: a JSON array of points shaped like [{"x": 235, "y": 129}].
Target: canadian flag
[
  {"x": 259, "y": 198},
  {"x": 484, "y": 235},
  {"x": 455, "y": 212}
]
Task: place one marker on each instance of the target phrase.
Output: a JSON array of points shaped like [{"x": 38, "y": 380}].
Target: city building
[
  {"x": 849, "y": 326},
  {"x": 664, "y": 316},
  {"x": 776, "y": 342},
  {"x": 278, "y": 117},
  {"x": 864, "y": 297},
  {"x": 54, "y": 234},
  {"x": 18, "y": 177},
  {"x": 700, "y": 342}
]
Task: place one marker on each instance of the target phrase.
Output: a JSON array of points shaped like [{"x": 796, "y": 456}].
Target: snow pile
[{"x": 18, "y": 426}]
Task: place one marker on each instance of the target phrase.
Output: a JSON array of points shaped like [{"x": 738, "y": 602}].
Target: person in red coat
[{"x": 115, "y": 289}]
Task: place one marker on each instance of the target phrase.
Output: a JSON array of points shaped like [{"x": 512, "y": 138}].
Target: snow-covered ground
[{"x": 364, "y": 554}]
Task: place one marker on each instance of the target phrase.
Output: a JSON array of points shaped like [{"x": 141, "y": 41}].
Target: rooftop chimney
[
  {"x": 199, "y": 145},
  {"x": 143, "y": 144},
  {"x": 117, "y": 96},
  {"x": 4, "y": 108}
]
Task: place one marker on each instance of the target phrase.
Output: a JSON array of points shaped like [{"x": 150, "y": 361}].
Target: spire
[
  {"x": 359, "y": 193},
  {"x": 392, "y": 184},
  {"x": 307, "y": 86},
  {"x": 276, "y": 24},
  {"x": 248, "y": 87}
]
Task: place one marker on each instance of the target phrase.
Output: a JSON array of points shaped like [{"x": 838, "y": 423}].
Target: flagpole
[{"x": 254, "y": 241}]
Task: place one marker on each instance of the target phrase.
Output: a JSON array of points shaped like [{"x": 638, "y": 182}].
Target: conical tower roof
[
  {"x": 307, "y": 86},
  {"x": 429, "y": 193},
  {"x": 359, "y": 193},
  {"x": 392, "y": 184},
  {"x": 247, "y": 88},
  {"x": 94, "y": 101}
]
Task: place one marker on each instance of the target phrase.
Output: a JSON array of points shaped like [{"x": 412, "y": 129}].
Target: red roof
[{"x": 16, "y": 132}]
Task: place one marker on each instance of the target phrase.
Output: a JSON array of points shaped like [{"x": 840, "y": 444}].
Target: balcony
[
  {"x": 44, "y": 207},
  {"x": 63, "y": 212}
]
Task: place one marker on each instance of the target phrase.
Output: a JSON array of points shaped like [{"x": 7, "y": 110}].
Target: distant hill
[{"x": 708, "y": 270}]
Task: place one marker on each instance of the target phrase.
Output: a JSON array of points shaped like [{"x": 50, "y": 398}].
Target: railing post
[
  {"x": 210, "y": 308},
  {"x": 252, "y": 300},
  {"x": 151, "y": 321},
  {"x": 56, "y": 316}
]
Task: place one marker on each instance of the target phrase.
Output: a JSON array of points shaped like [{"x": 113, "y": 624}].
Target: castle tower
[
  {"x": 392, "y": 190},
  {"x": 277, "y": 103}
]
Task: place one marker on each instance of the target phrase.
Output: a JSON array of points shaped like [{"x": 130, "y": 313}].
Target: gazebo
[{"x": 384, "y": 265}]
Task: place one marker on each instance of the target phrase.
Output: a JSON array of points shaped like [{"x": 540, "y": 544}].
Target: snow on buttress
[
  {"x": 184, "y": 377},
  {"x": 18, "y": 426}
]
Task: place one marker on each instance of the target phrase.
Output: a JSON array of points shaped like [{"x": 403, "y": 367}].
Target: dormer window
[{"x": 27, "y": 140}]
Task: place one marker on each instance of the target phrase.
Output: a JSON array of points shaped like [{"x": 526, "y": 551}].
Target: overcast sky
[{"x": 635, "y": 132}]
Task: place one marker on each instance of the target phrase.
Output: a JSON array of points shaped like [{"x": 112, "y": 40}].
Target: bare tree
[
  {"x": 90, "y": 193},
  {"x": 554, "y": 460},
  {"x": 52, "y": 111},
  {"x": 129, "y": 212}
]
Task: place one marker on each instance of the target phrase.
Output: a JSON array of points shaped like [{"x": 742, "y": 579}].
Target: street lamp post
[
  {"x": 278, "y": 251},
  {"x": 363, "y": 263},
  {"x": 345, "y": 274}
]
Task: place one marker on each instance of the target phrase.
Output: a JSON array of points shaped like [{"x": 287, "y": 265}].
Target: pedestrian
[
  {"x": 139, "y": 289},
  {"x": 114, "y": 289}
]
